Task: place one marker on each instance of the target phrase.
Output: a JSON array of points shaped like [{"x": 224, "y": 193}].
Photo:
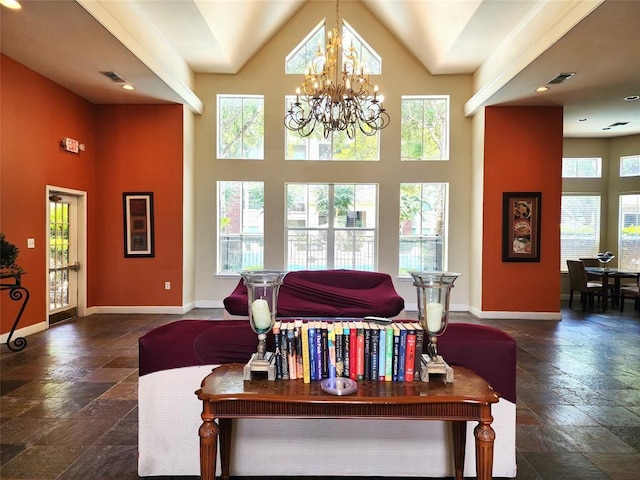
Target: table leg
[
  {"x": 459, "y": 443},
  {"x": 226, "y": 427},
  {"x": 485, "y": 435},
  {"x": 208, "y": 432}
]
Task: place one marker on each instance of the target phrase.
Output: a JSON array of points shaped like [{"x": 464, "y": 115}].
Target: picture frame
[
  {"x": 138, "y": 224},
  {"x": 521, "y": 212}
]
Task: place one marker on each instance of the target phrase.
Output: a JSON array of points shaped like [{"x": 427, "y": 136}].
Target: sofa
[
  {"x": 327, "y": 293},
  {"x": 176, "y": 357}
]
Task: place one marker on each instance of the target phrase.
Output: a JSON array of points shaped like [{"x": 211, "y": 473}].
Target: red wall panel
[{"x": 522, "y": 153}]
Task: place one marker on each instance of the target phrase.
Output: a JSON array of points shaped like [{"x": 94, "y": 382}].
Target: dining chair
[
  {"x": 630, "y": 291},
  {"x": 578, "y": 282},
  {"x": 591, "y": 262}
]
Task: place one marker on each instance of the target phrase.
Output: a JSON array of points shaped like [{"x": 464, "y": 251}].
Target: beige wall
[
  {"x": 610, "y": 185},
  {"x": 264, "y": 74}
]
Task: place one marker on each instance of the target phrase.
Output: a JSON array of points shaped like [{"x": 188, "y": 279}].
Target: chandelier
[{"x": 336, "y": 94}]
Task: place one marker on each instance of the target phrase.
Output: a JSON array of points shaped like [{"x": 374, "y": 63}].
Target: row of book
[{"x": 361, "y": 350}]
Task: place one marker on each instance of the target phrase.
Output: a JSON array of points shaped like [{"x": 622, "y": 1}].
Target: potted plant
[{"x": 8, "y": 255}]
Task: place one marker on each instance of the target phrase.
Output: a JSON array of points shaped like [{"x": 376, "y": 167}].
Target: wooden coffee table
[{"x": 225, "y": 396}]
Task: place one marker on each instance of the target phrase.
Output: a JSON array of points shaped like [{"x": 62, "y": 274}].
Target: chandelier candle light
[
  {"x": 433, "y": 289},
  {"x": 262, "y": 294},
  {"x": 338, "y": 104}
]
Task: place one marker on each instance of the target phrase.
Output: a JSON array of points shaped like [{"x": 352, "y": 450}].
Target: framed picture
[
  {"x": 138, "y": 224},
  {"x": 521, "y": 226}
]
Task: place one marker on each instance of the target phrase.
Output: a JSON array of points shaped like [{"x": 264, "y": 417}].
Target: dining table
[{"x": 603, "y": 274}]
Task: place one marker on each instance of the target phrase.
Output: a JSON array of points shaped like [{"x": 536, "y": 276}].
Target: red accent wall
[
  {"x": 138, "y": 149},
  {"x": 522, "y": 152},
  {"x": 132, "y": 147}
]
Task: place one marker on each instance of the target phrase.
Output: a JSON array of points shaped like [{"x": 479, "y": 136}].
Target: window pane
[
  {"x": 241, "y": 127},
  {"x": 301, "y": 56},
  {"x": 331, "y": 226},
  {"x": 423, "y": 214},
  {"x": 424, "y": 129},
  {"x": 579, "y": 228},
  {"x": 630, "y": 166},
  {"x": 629, "y": 233},
  {"x": 337, "y": 146},
  {"x": 367, "y": 56},
  {"x": 240, "y": 226},
  {"x": 581, "y": 167}
]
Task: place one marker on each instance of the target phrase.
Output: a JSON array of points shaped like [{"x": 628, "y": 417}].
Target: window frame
[
  {"x": 243, "y": 236},
  {"x": 219, "y": 129},
  {"x": 596, "y": 236},
  {"x": 445, "y": 152}
]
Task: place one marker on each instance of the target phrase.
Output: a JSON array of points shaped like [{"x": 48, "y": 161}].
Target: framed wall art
[
  {"x": 138, "y": 224},
  {"x": 521, "y": 226}
]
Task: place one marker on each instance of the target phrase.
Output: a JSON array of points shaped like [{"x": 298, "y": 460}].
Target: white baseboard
[
  {"x": 178, "y": 309},
  {"x": 24, "y": 332}
]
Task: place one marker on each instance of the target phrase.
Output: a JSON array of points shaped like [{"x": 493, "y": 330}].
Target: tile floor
[{"x": 69, "y": 399}]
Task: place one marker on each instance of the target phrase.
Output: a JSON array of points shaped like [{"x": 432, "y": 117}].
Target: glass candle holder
[
  {"x": 433, "y": 289},
  {"x": 263, "y": 287}
]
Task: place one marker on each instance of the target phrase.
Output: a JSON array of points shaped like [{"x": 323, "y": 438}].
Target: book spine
[
  {"x": 278, "y": 352},
  {"x": 318, "y": 348},
  {"x": 331, "y": 349},
  {"x": 396, "y": 351},
  {"x": 291, "y": 338},
  {"x": 346, "y": 342},
  {"x": 382, "y": 354},
  {"x": 419, "y": 347},
  {"x": 402, "y": 353},
  {"x": 367, "y": 351},
  {"x": 339, "y": 348},
  {"x": 284, "y": 349},
  {"x": 299, "y": 363},
  {"x": 388, "y": 374},
  {"x": 325, "y": 350},
  {"x": 359, "y": 350},
  {"x": 312, "y": 351},
  {"x": 409, "y": 369},
  {"x": 353, "y": 351},
  {"x": 306, "y": 371},
  {"x": 375, "y": 352}
]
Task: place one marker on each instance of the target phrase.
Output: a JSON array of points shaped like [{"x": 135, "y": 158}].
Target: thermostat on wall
[{"x": 70, "y": 145}]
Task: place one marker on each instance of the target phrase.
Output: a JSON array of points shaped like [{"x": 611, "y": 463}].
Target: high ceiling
[{"x": 509, "y": 46}]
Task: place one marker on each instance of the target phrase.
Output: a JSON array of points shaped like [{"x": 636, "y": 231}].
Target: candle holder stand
[
  {"x": 433, "y": 290},
  {"x": 262, "y": 294}
]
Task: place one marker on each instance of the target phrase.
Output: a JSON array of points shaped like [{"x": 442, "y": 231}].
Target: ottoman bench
[{"x": 176, "y": 357}]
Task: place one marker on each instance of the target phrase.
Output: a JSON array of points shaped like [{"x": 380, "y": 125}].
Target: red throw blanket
[{"x": 328, "y": 293}]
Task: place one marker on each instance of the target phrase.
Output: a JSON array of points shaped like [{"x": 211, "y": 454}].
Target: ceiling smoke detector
[
  {"x": 560, "y": 78},
  {"x": 114, "y": 77}
]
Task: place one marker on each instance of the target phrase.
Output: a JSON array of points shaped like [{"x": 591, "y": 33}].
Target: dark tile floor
[{"x": 69, "y": 399}]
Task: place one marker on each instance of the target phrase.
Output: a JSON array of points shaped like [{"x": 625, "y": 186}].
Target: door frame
[{"x": 81, "y": 198}]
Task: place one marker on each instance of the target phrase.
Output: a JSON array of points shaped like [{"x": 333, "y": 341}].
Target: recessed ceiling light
[
  {"x": 128, "y": 87},
  {"x": 632, "y": 98},
  {"x": 542, "y": 89},
  {"x": 12, "y": 4},
  {"x": 582, "y": 119}
]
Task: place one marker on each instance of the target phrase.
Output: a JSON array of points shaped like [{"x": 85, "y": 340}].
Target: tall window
[
  {"x": 240, "y": 226},
  {"x": 331, "y": 226},
  {"x": 338, "y": 146},
  {"x": 579, "y": 228},
  {"x": 241, "y": 127},
  {"x": 423, "y": 226},
  {"x": 424, "y": 128},
  {"x": 630, "y": 166},
  {"x": 581, "y": 167},
  {"x": 629, "y": 233}
]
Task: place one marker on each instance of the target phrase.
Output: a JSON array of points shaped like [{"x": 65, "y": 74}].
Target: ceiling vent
[
  {"x": 619, "y": 124},
  {"x": 560, "y": 78},
  {"x": 114, "y": 77}
]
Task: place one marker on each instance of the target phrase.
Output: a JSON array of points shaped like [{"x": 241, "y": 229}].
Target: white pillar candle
[
  {"x": 434, "y": 317},
  {"x": 260, "y": 313}
]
